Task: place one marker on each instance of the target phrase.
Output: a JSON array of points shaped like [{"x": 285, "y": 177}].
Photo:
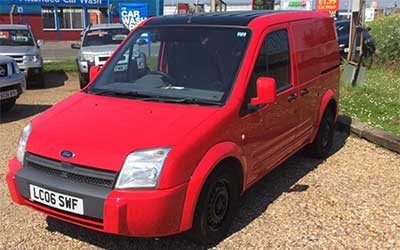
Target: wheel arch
[
  {"x": 329, "y": 101},
  {"x": 226, "y": 153}
]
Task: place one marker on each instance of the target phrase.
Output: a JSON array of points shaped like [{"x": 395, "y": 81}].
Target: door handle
[
  {"x": 292, "y": 97},
  {"x": 304, "y": 92}
]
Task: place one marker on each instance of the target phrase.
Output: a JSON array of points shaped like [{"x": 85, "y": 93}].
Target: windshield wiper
[
  {"x": 157, "y": 98},
  {"x": 193, "y": 101},
  {"x": 107, "y": 92}
]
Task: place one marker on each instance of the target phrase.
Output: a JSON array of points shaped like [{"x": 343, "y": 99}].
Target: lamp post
[{"x": 109, "y": 10}]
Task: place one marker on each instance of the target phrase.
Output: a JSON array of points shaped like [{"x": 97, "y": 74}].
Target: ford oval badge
[{"x": 67, "y": 154}]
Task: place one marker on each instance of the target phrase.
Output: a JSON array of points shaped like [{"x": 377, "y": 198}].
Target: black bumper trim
[{"x": 93, "y": 196}]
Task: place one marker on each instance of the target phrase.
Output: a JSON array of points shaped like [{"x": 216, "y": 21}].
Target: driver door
[{"x": 269, "y": 130}]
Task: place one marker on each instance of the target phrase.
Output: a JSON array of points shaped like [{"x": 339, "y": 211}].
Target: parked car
[
  {"x": 18, "y": 42},
  {"x": 343, "y": 32},
  {"x": 98, "y": 43},
  {"x": 168, "y": 142},
  {"x": 12, "y": 82}
]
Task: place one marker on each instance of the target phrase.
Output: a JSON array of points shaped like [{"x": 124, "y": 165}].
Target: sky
[{"x": 342, "y": 4}]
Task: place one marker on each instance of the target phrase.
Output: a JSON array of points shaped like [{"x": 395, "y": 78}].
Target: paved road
[
  {"x": 58, "y": 51},
  {"x": 349, "y": 201}
]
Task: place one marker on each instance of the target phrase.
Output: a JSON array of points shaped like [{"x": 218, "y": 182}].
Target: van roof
[{"x": 231, "y": 18}]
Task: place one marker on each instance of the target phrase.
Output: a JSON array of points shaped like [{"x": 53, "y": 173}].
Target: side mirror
[
  {"x": 94, "y": 71},
  {"x": 266, "y": 91},
  {"x": 40, "y": 43},
  {"x": 75, "y": 45}
]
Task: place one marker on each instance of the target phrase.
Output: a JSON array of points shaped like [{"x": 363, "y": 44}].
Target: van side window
[{"x": 274, "y": 61}]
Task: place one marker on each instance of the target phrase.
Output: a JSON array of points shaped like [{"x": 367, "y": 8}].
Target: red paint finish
[{"x": 103, "y": 130}]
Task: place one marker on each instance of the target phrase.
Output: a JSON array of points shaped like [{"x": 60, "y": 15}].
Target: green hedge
[{"x": 386, "y": 33}]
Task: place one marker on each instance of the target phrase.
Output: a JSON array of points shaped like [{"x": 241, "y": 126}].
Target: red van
[{"x": 188, "y": 113}]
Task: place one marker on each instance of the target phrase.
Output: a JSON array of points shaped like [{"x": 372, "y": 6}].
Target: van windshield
[
  {"x": 195, "y": 65},
  {"x": 13, "y": 37},
  {"x": 104, "y": 36}
]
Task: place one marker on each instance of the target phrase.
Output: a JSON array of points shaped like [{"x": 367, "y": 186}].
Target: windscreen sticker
[{"x": 241, "y": 34}]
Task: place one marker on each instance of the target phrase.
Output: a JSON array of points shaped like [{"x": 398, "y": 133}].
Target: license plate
[
  {"x": 8, "y": 94},
  {"x": 56, "y": 200}
]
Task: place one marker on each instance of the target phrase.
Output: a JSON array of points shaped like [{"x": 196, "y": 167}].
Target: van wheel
[
  {"x": 322, "y": 144},
  {"x": 216, "y": 207}
]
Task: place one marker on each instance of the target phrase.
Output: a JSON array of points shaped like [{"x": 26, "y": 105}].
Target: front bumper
[
  {"x": 18, "y": 87},
  {"x": 141, "y": 213},
  {"x": 31, "y": 66}
]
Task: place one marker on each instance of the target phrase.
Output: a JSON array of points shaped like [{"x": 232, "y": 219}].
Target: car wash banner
[
  {"x": 131, "y": 14},
  {"x": 90, "y": 3}
]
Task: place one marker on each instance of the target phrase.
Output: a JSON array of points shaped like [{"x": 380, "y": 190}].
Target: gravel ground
[{"x": 349, "y": 201}]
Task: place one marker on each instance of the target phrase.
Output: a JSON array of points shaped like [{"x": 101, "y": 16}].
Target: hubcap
[{"x": 218, "y": 204}]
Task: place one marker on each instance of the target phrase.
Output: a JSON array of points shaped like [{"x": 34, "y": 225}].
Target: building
[{"x": 65, "y": 19}]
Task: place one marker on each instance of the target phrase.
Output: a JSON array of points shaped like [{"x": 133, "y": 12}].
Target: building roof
[
  {"x": 234, "y": 18},
  {"x": 13, "y": 26}
]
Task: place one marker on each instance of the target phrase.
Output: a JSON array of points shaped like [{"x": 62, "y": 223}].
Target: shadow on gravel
[
  {"x": 21, "y": 111},
  {"x": 52, "y": 79},
  {"x": 255, "y": 202}
]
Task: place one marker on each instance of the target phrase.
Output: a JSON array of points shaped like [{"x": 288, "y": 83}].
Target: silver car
[
  {"x": 12, "y": 83},
  {"x": 18, "y": 42},
  {"x": 98, "y": 43}
]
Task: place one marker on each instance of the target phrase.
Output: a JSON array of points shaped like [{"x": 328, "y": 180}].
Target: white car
[{"x": 12, "y": 83}]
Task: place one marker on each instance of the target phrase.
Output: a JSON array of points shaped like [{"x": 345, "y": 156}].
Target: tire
[
  {"x": 323, "y": 142},
  {"x": 7, "y": 104},
  {"x": 216, "y": 207},
  {"x": 82, "y": 81}
]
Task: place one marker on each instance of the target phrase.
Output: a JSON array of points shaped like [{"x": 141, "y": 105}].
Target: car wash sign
[
  {"x": 93, "y": 3},
  {"x": 131, "y": 14}
]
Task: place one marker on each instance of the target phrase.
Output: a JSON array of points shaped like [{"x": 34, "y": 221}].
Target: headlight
[
  {"x": 22, "y": 142},
  {"x": 30, "y": 58},
  {"x": 86, "y": 57},
  {"x": 142, "y": 169}
]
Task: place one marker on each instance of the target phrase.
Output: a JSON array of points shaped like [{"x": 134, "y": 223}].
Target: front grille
[
  {"x": 18, "y": 59},
  {"x": 70, "y": 171},
  {"x": 103, "y": 58},
  {"x": 3, "y": 70}
]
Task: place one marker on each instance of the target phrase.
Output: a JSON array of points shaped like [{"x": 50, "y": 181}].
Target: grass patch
[
  {"x": 62, "y": 66},
  {"x": 377, "y": 103}
]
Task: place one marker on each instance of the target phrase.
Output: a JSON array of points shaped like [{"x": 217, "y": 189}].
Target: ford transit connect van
[{"x": 173, "y": 130}]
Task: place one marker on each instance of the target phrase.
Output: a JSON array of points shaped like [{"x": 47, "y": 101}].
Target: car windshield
[
  {"x": 104, "y": 36},
  {"x": 196, "y": 65},
  {"x": 12, "y": 37},
  {"x": 343, "y": 27}
]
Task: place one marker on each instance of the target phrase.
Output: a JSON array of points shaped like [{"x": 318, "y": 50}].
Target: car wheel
[
  {"x": 82, "y": 82},
  {"x": 323, "y": 142},
  {"x": 216, "y": 207},
  {"x": 7, "y": 104}
]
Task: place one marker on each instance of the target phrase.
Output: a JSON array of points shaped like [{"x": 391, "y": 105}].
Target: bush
[{"x": 386, "y": 33}]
